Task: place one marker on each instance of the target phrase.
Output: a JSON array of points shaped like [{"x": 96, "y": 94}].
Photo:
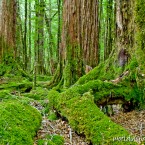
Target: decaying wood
[{"x": 117, "y": 80}]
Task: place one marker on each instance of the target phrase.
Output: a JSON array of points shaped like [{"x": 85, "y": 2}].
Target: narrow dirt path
[{"x": 57, "y": 127}]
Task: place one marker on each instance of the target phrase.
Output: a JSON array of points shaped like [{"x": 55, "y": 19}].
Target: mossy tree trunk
[
  {"x": 7, "y": 29},
  {"x": 39, "y": 39},
  {"x": 79, "y": 41},
  {"x": 124, "y": 25}
]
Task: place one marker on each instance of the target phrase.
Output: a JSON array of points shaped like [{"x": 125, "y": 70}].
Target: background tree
[{"x": 8, "y": 29}]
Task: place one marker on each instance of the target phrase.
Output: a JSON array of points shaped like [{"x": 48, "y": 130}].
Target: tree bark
[
  {"x": 79, "y": 40},
  {"x": 8, "y": 29}
]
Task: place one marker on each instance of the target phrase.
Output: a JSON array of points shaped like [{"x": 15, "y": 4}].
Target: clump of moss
[
  {"x": 139, "y": 15},
  {"x": 101, "y": 89},
  {"x": 43, "y": 78},
  {"x": 18, "y": 123},
  {"x": 5, "y": 94},
  {"x": 56, "y": 139},
  {"x": 52, "y": 115},
  {"x": 92, "y": 75},
  {"x": 38, "y": 94},
  {"x": 23, "y": 86},
  {"x": 52, "y": 140},
  {"x": 107, "y": 70},
  {"x": 10, "y": 68}
]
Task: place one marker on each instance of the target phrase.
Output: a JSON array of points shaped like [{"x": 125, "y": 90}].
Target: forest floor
[
  {"x": 132, "y": 121},
  {"x": 57, "y": 127}
]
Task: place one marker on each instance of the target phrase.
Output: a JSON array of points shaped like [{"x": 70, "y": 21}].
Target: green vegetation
[
  {"x": 18, "y": 123},
  {"x": 38, "y": 94},
  {"x": 35, "y": 58},
  {"x": 85, "y": 117},
  {"x": 52, "y": 140}
]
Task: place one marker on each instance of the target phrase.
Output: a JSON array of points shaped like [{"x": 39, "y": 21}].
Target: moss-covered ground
[
  {"x": 78, "y": 105},
  {"x": 18, "y": 123},
  {"x": 19, "y": 120}
]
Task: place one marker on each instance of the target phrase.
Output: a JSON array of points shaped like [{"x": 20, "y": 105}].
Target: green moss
[
  {"x": 104, "y": 71},
  {"x": 10, "y": 68},
  {"x": 139, "y": 17},
  {"x": 43, "y": 78},
  {"x": 133, "y": 64},
  {"x": 52, "y": 115},
  {"x": 92, "y": 75},
  {"x": 56, "y": 139},
  {"x": 67, "y": 76},
  {"x": 101, "y": 89},
  {"x": 37, "y": 94},
  {"x": 52, "y": 140},
  {"x": 41, "y": 142},
  {"x": 5, "y": 94},
  {"x": 24, "y": 86},
  {"x": 86, "y": 118},
  {"x": 18, "y": 123},
  {"x": 52, "y": 96}
]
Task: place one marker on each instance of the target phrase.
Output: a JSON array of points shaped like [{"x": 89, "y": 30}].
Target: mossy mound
[
  {"x": 104, "y": 71},
  {"x": 38, "y": 94},
  {"x": 43, "y": 78},
  {"x": 86, "y": 118},
  {"x": 104, "y": 91},
  {"x": 11, "y": 69},
  {"x": 16, "y": 84},
  {"x": 5, "y": 94},
  {"x": 52, "y": 140},
  {"x": 18, "y": 123}
]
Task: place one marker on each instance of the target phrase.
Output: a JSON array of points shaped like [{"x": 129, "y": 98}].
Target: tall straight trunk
[
  {"x": 36, "y": 46},
  {"x": 50, "y": 40},
  {"x": 101, "y": 22},
  {"x": 79, "y": 41},
  {"x": 8, "y": 28},
  {"x": 59, "y": 27},
  {"x": 51, "y": 45},
  {"x": 125, "y": 31},
  {"x": 90, "y": 34},
  {"x": 29, "y": 40},
  {"x": 41, "y": 37},
  {"x": 19, "y": 36},
  {"x": 109, "y": 28},
  {"x": 25, "y": 37}
]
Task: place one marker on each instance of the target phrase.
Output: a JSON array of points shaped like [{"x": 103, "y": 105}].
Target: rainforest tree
[
  {"x": 79, "y": 41},
  {"x": 8, "y": 29}
]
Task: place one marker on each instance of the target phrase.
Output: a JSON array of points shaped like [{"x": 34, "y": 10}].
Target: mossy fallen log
[
  {"x": 10, "y": 68},
  {"x": 106, "y": 92},
  {"x": 18, "y": 123},
  {"x": 24, "y": 86},
  {"x": 87, "y": 119},
  {"x": 38, "y": 94}
]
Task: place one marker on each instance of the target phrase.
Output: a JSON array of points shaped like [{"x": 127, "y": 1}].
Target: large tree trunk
[
  {"x": 79, "y": 41},
  {"x": 7, "y": 28},
  {"x": 125, "y": 24}
]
